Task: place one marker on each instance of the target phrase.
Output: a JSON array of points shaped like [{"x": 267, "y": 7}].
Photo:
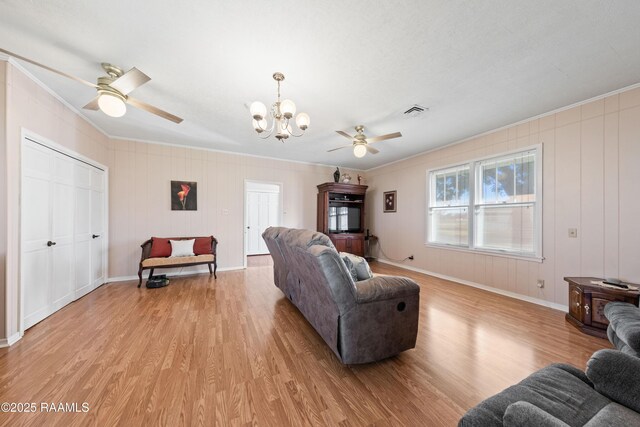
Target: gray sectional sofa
[
  {"x": 607, "y": 394},
  {"x": 361, "y": 321}
]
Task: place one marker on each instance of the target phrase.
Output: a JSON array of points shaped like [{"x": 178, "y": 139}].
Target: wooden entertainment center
[{"x": 341, "y": 215}]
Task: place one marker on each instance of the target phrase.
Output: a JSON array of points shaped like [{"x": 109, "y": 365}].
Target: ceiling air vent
[{"x": 415, "y": 110}]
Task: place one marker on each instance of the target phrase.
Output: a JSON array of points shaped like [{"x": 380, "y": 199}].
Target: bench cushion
[{"x": 163, "y": 262}]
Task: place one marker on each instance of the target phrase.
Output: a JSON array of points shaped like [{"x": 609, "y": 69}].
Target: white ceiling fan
[
  {"x": 360, "y": 142},
  {"x": 113, "y": 89}
]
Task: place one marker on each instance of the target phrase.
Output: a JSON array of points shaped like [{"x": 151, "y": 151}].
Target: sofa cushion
[
  {"x": 524, "y": 414},
  {"x": 363, "y": 271},
  {"x": 350, "y": 267},
  {"x": 163, "y": 262},
  {"x": 160, "y": 247},
  {"x": 560, "y": 390},
  {"x": 182, "y": 248},
  {"x": 624, "y": 319},
  {"x": 202, "y": 245},
  {"x": 614, "y": 415}
]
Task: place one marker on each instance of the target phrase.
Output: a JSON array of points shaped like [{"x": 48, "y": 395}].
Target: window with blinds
[{"x": 503, "y": 193}]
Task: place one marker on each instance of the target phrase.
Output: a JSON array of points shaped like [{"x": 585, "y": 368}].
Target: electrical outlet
[
  {"x": 540, "y": 283},
  {"x": 411, "y": 257},
  {"x": 573, "y": 232}
]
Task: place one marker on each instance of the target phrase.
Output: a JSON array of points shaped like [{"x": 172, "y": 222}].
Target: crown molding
[
  {"x": 50, "y": 91},
  {"x": 235, "y": 153},
  {"x": 539, "y": 116}
]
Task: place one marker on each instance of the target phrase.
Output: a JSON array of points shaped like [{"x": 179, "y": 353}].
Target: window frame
[{"x": 474, "y": 165}]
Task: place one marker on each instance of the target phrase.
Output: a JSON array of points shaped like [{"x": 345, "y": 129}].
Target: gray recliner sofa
[
  {"x": 608, "y": 394},
  {"x": 362, "y": 321}
]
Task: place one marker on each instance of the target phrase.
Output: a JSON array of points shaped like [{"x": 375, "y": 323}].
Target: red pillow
[
  {"x": 160, "y": 248},
  {"x": 202, "y": 246}
]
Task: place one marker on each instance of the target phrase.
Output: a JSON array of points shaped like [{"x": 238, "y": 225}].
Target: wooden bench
[{"x": 149, "y": 263}]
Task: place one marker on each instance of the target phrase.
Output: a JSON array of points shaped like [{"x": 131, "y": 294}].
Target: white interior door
[
  {"x": 97, "y": 228},
  {"x": 83, "y": 280},
  {"x": 62, "y": 230},
  {"x": 262, "y": 211},
  {"x": 36, "y": 232}
]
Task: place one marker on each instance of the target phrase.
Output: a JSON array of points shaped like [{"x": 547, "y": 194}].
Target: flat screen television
[{"x": 344, "y": 219}]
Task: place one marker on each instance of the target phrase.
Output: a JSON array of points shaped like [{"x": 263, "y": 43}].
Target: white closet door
[
  {"x": 83, "y": 282},
  {"x": 36, "y": 232},
  {"x": 97, "y": 228},
  {"x": 62, "y": 231}
]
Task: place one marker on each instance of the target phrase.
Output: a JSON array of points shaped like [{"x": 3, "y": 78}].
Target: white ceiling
[{"x": 477, "y": 65}]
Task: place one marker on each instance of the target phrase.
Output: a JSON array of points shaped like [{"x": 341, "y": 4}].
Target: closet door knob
[
  {"x": 50, "y": 243},
  {"x": 95, "y": 236}
]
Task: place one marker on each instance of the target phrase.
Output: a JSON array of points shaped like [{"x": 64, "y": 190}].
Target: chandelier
[{"x": 281, "y": 112}]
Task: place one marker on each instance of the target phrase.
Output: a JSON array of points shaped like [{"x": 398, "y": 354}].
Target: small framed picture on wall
[
  {"x": 184, "y": 196},
  {"x": 390, "y": 200}
]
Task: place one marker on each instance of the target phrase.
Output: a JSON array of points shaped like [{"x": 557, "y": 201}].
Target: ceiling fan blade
[
  {"x": 339, "y": 148},
  {"x": 383, "y": 137},
  {"x": 153, "y": 110},
  {"x": 93, "y": 104},
  {"x": 53, "y": 70},
  {"x": 372, "y": 150},
  {"x": 346, "y": 135},
  {"x": 129, "y": 81}
]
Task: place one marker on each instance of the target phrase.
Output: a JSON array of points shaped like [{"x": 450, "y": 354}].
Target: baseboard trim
[
  {"x": 145, "y": 275},
  {"x": 509, "y": 294},
  {"x": 6, "y": 342}
]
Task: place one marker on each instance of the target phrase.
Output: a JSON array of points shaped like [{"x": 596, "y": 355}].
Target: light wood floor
[{"x": 234, "y": 351}]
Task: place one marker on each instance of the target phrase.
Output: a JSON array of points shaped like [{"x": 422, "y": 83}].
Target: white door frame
[
  {"x": 246, "y": 216},
  {"x": 25, "y": 135}
]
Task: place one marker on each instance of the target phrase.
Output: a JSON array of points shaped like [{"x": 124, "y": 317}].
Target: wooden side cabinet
[
  {"x": 587, "y": 302},
  {"x": 341, "y": 210}
]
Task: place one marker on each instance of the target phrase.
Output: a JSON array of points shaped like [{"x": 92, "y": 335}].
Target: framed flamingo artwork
[{"x": 184, "y": 196}]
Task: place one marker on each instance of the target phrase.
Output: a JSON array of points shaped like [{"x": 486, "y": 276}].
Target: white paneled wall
[
  {"x": 140, "y": 205},
  {"x": 591, "y": 177}
]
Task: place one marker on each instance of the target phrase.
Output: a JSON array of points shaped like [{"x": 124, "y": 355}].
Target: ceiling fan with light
[
  {"x": 360, "y": 142},
  {"x": 113, "y": 89}
]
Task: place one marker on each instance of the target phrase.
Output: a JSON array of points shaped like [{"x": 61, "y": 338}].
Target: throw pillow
[
  {"x": 350, "y": 267},
  {"x": 182, "y": 248},
  {"x": 160, "y": 248},
  {"x": 363, "y": 271},
  {"x": 202, "y": 246}
]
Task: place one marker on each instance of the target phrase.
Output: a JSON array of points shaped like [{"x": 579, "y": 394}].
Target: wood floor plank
[{"x": 234, "y": 351}]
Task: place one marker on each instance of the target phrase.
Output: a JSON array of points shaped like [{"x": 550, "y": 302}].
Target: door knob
[
  {"x": 94, "y": 236},
  {"x": 50, "y": 243}
]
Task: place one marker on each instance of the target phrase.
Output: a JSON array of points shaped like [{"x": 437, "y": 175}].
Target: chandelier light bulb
[
  {"x": 287, "y": 108},
  {"x": 112, "y": 105},
  {"x": 302, "y": 120},
  {"x": 258, "y": 110},
  {"x": 359, "y": 150}
]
